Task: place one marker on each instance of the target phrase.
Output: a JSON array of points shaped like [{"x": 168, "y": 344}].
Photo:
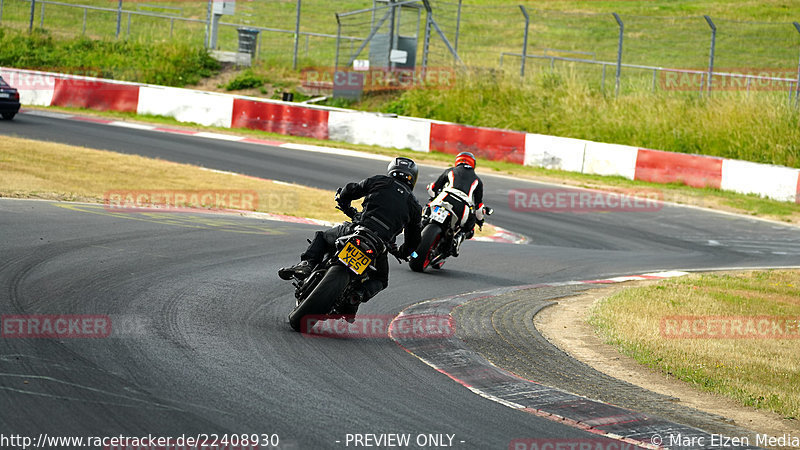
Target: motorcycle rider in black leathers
[
  {"x": 462, "y": 188},
  {"x": 389, "y": 207}
]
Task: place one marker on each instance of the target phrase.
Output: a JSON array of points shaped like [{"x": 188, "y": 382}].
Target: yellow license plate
[{"x": 354, "y": 258}]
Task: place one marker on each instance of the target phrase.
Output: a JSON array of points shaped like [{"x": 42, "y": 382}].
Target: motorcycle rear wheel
[
  {"x": 321, "y": 300},
  {"x": 431, "y": 235}
]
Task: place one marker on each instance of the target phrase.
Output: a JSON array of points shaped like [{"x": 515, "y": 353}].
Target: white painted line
[
  {"x": 220, "y": 136},
  {"x": 335, "y": 151},
  {"x": 41, "y": 113},
  {"x": 135, "y": 126},
  {"x": 224, "y": 172},
  {"x": 666, "y": 274},
  {"x": 624, "y": 279}
]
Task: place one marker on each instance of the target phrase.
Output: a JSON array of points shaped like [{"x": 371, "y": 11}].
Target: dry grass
[
  {"x": 759, "y": 372},
  {"x": 33, "y": 169}
]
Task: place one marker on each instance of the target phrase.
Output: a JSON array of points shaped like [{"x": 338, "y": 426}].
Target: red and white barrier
[
  {"x": 553, "y": 152},
  {"x": 186, "y": 105},
  {"x": 35, "y": 88},
  {"x": 779, "y": 183},
  {"x": 668, "y": 167},
  {"x": 489, "y": 143},
  {"x": 380, "y": 130},
  {"x": 610, "y": 159}
]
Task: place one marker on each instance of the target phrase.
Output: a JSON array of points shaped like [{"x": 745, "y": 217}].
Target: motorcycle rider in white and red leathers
[{"x": 461, "y": 187}]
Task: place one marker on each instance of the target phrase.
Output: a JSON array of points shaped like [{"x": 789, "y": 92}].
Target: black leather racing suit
[
  {"x": 464, "y": 190},
  {"x": 389, "y": 207}
]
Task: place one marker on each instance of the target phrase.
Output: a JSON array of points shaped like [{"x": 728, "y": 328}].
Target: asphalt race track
[{"x": 200, "y": 343}]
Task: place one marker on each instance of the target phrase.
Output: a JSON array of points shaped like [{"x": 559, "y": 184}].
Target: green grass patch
[
  {"x": 163, "y": 63},
  {"x": 245, "y": 80},
  {"x": 760, "y": 372}
]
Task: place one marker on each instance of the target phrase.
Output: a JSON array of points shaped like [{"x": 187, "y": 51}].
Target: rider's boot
[
  {"x": 457, "y": 240},
  {"x": 301, "y": 271},
  {"x": 469, "y": 234},
  {"x": 349, "y": 308}
]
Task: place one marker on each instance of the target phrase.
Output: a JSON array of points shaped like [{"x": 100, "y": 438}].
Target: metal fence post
[
  {"x": 2, "y": 3},
  {"x": 41, "y": 17},
  {"x": 524, "y": 41},
  {"x": 208, "y": 25},
  {"x": 338, "y": 40},
  {"x": 619, "y": 50},
  {"x": 33, "y": 11},
  {"x": 427, "y": 5},
  {"x": 392, "y": 33},
  {"x": 426, "y": 42},
  {"x": 83, "y": 31},
  {"x": 119, "y": 16},
  {"x": 797, "y": 85},
  {"x": 458, "y": 25},
  {"x": 711, "y": 53},
  {"x": 296, "y": 35}
]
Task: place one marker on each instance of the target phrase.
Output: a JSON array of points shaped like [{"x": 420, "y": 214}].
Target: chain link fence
[{"x": 695, "y": 54}]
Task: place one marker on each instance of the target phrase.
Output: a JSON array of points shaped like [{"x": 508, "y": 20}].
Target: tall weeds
[{"x": 762, "y": 127}]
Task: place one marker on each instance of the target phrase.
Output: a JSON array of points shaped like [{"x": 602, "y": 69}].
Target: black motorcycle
[
  {"x": 324, "y": 293},
  {"x": 442, "y": 235}
]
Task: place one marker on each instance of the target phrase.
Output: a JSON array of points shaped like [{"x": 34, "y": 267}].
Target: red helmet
[{"x": 465, "y": 158}]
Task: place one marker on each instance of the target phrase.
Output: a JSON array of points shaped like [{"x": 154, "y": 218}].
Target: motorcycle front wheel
[
  {"x": 321, "y": 299},
  {"x": 431, "y": 235}
]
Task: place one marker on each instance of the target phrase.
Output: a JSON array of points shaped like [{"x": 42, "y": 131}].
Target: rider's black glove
[
  {"x": 340, "y": 201},
  {"x": 344, "y": 205},
  {"x": 404, "y": 251}
]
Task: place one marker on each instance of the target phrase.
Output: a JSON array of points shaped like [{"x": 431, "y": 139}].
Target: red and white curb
[
  {"x": 452, "y": 358},
  {"x": 503, "y": 236}
]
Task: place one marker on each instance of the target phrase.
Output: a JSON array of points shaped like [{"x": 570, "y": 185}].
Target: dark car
[{"x": 9, "y": 100}]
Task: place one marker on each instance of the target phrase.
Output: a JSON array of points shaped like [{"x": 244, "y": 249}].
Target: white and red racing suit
[{"x": 461, "y": 187}]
